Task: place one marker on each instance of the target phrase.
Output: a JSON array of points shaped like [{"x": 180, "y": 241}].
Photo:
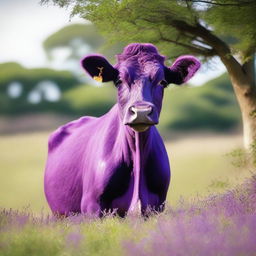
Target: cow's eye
[
  {"x": 118, "y": 82},
  {"x": 163, "y": 83}
]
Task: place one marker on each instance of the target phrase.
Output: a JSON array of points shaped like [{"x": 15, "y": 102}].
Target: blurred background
[{"x": 42, "y": 86}]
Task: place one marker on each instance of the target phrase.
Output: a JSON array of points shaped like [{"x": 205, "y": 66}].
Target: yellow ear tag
[{"x": 99, "y": 77}]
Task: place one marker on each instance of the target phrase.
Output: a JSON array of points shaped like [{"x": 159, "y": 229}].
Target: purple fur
[
  {"x": 187, "y": 66},
  {"x": 106, "y": 163}
]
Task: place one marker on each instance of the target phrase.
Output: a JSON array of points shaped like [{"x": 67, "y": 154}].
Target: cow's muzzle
[{"x": 141, "y": 116}]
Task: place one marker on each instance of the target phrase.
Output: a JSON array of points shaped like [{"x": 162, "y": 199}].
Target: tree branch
[
  {"x": 236, "y": 4},
  {"x": 235, "y": 69},
  {"x": 193, "y": 48},
  {"x": 221, "y": 48},
  {"x": 196, "y": 39},
  {"x": 197, "y": 49}
]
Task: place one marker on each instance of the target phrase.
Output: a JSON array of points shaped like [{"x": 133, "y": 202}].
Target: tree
[
  {"x": 207, "y": 28},
  {"x": 24, "y": 90},
  {"x": 73, "y": 37},
  {"x": 79, "y": 38}
]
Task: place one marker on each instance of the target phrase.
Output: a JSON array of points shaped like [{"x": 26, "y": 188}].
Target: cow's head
[{"x": 140, "y": 77}]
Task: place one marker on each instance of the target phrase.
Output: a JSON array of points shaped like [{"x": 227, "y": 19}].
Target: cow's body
[
  {"x": 119, "y": 159},
  {"x": 96, "y": 164}
]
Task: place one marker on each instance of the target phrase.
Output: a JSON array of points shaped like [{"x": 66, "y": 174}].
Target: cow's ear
[
  {"x": 99, "y": 68},
  {"x": 182, "y": 69}
]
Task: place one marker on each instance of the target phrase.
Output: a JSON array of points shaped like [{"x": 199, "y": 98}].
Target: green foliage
[
  {"x": 173, "y": 25},
  {"x": 80, "y": 35},
  {"x": 238, "y": 158},
  {"x": 252, "y": 151},
  {"x": 65, "y": 37},
  {"x": 86, "y": 32},
  {"x": 90, "y": 100},
  {"x": 237, "y": 22},
  {"x": 212, "y": 106},
  {"x": 137, "y": 21},
  {"x": 243, "y": 158},
  {"x": 12, "y": 71},
  {"x": 219, "y": 184},
  {"x": 29, "y": 79}
]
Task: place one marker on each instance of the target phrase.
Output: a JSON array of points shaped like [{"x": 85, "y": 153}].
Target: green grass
[
  {"x": 199, "y": 166},
  {"x": 67, "y": 238},
  {"x": 73, "y": 236},
  {"x": 21, "y": 171}
]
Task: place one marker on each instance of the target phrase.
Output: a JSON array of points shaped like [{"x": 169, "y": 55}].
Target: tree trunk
[
  {"x": 242, "y": 76},
  {"x": 247, "y": 105},
  {"x": 243, "y": 81}
]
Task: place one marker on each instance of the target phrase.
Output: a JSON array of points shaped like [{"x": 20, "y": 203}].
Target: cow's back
[{"x": 58, "y": 136}]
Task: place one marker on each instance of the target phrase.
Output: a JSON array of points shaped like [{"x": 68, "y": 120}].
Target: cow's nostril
[
  {"x": 141, "y": 110},
  {"x": 150, "y": 111},
  {"x": 141, "y": 114},
  {"x": 132, "y": 110}
]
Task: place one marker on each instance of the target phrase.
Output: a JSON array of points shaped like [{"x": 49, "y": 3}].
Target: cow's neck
[{"x": 139, "y": 144}]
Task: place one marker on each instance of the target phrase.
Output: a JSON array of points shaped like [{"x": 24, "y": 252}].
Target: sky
[{"x": 25, "y": 24}]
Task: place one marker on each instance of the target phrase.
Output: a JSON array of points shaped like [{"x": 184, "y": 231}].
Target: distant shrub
[
  {"x": 18, "y": 84},
  {"x": 253, "y": 153},
  {"x": 238, "y": 157},
  {"x": 219, "y": 184},
  {"x": 242, "y": 158},
  {"x": 90, "y": 100},
  {"x": 209, "y": 107}
]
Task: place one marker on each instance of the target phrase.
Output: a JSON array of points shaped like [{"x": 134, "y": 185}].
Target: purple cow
[{"x": 113, "y": 162}]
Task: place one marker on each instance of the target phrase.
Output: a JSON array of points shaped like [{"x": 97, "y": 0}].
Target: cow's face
[{"x": 140, "y": 77}]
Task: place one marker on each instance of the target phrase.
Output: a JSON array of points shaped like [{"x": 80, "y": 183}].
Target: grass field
[
  {"x": 224, "y": 224},
  {"x": 198, "y": 162}
]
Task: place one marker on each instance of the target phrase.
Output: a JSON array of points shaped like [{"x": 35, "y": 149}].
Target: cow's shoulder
[
  {"x": 157, "y": 151},
  {"x": 59, "y": 135},
  {"x": 156, "y": 139}
]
